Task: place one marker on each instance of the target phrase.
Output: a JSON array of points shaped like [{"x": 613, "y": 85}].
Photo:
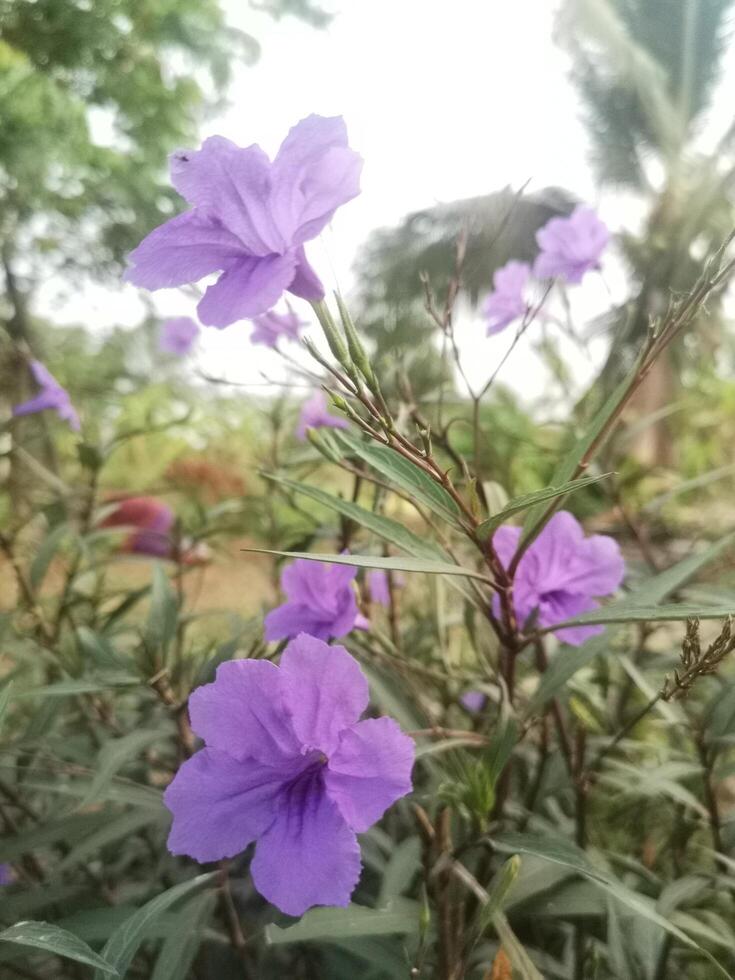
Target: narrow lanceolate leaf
[
  {"x": 181, "y": 945},
  {"x": 404, "y": 564},
  {"x": 163, "y": 616},
  {"x": 403, "y": 473},
  {"x": 4, "y": 700},
  {"x": 113, "y": 756},
  {"x": 384, "y": 527},
  {"x": 123, "y": 944},
  {"x": 400, "y": 917},
  {"x": 58, "y": 942},
  {"x": 654, "y": 590},
  {"x": 521, "y": 962},
  {"x": 518, "y": 504},
  {"x": 563, "y": 852},
  {"x": 630, "y": 612}
]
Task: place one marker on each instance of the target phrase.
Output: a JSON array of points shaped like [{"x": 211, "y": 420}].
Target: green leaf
[
  {"x": 563, "y": 852},
  {"x": 181, "y": 946},
  {"x": 403, "y": 473},
  {"x": 116, "y": 828},
  {"x": 518, "y": 504},
  {"x": 631, "y": 612},
  {"x": 113, "y": 756},
  {"x": 63, "y": 689},
  {"x": 406, "y": 564},
  {"x": 45, "y": 554},
  {"x": 497, "y": 892},
  {"x": 164, "y": 612},
  {"x": 384, "y": 527},
  {"x": 59, "y": 942},
  {"x": 5, "y": 700},
  {"x": 400, "y": 917},
  {"x": 123, "y": 944}
]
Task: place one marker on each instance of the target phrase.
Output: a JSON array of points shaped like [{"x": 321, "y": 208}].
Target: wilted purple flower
[
  {"x": 571, "y": 246},
  {"x": 506, "y": 302},
  {"x": 271, "y": 326},
  {"x": 249, "y": 219},
  {"x": 51, "y": 395},
  {"x": 473, "y": 701},
  {"x": 377, "y": 583},
  {"x": 178, "y": 335},
  {"x": 6, "y": 875},
  {"x": 314, "y": 415},
  {"x": 560, "y": 573},
  {"x": 321, "y": 602},
  {"x": 288, "y": 764}
]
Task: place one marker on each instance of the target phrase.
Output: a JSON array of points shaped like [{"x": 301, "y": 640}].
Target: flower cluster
[
  {"x": 568, "y": 249},
  {"x": 288, "y": 764}
]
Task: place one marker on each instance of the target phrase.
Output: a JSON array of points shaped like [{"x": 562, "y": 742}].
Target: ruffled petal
[
  {"x": 598, "y": 567},
  {"x": 309, "y": 856},
  {"x": 242, "y": 713},
  {"x": 250, "y": 286},
  {"x": 370, "y": 770},
  {"x": 234, "y": 184},
  {"x": 183, "y": 250},
  {"x": 313, "y": 174},
  {"x": 324, "y": 689},
  {"x": 220, "y": 805}
]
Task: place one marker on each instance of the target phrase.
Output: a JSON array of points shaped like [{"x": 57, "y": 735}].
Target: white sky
[{"x": 444, "y": 99}]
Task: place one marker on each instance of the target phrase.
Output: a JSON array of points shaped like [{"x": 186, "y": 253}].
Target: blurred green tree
[{"x": 647, "y": 73}]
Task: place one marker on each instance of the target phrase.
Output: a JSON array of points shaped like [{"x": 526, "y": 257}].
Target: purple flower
[
  {"x": 288, "y": 764},
  {"x": 249, "y": 219},
  {"x": 6, "y": 875},
  {"x": 506, "y": 302},
  {"x": 51, "y": 395},
  {"x": 314, "y": 415},
  {"x": 571, "y": 246},
  {"x": 320, "y": 602},
  {"x": 473, "y": 701},
  {"x": 377, "y": 583},
  {"x": 560, "y": 573},
  {"x": 178, "y": 335},
  {"x": 271, "y": 326}
]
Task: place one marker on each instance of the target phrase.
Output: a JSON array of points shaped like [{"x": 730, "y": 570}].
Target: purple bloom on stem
[
  {"x": 314, "y": 415},
  {"x": 288, "y": 764},
  {"x": 6, "y": 874},
  {"x": 377, "y": 582},
  {"x": 560, "y": 574},
  {"x": 271, "y": 326},
  {"x": 571, "y": 246},
  {"x": 506, "y": 302},
  {"x": 249, "y": 219},
  {"x": 320, "y": 601},
  {"x": 51, "y": 395},
  {"x": 178, "y": 335}
]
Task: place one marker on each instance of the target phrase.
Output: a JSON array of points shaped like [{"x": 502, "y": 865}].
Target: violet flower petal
[
  {"x": 219, "y": 804},
  {"x": 323, "y": 689},
  {"x": 308, "y": 856},
  {"x": 369, "y": 770}
]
